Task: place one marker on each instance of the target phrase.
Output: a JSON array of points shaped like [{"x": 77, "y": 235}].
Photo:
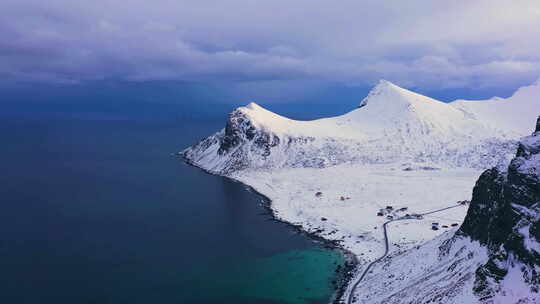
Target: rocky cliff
[{"x": 504, "y": 216}]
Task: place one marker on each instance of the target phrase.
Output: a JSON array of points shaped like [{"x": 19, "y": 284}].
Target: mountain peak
[
  {"x": 253, "y": 106},
  {"x": 384, "y": 82},
  {"x": 387, "y": 94},
  {"x": 382, "y": 85},
  {"x": 255, "y": 110},
  {"x": 262, "y": 118},
  {"x": 386, "y": 91},
  {"x": 385, "y": 85}
]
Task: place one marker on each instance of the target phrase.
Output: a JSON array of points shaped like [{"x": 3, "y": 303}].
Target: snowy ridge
[
  {"x": 507, "y": 113},
  {"x": 390, "y": 125}
]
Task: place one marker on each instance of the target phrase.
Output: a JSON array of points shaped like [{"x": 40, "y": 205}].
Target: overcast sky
[{"x": 269, "y": 45}]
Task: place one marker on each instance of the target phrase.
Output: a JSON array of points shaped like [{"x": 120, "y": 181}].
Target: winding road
[{"x": 386, "y": 247}]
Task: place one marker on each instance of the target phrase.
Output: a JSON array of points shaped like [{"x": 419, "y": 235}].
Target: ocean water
[{"x": 98, "y": 211}]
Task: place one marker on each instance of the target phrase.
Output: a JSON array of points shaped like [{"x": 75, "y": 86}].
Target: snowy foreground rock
[{"x": 398, "y": 153}]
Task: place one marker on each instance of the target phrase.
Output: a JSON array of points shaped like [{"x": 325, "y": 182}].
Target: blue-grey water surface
[{"x": 97, "y": 211}]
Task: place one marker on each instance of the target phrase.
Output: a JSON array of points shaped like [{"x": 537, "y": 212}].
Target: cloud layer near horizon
[{"x": 450, "y": 44}]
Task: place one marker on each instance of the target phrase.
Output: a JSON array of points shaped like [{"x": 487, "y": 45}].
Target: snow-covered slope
[
  {"x": 390, "y": 125},
  {"x": 507, "y": 113},
  {"x": 494, "y": 257}
]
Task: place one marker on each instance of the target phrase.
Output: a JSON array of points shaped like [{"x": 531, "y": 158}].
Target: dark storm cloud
[{"x": 415, "y": 43}]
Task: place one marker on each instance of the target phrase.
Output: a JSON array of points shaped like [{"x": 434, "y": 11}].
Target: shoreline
[{"x": 344, "y": 274}]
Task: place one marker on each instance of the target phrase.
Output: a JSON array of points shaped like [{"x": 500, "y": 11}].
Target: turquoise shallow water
[
  {"x": 296, "y": 277},
  {"x": 100, "y": 212}
]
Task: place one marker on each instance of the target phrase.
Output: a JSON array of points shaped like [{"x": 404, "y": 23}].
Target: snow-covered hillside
[
  {"x": 513, "y": 114},
  {"x": 390, "y": 125},
  {"x": 494, "y": 257},
  {"x": 352, "y": 195}
]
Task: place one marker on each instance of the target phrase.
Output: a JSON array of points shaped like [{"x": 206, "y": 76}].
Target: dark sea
[{"x": 99, "y": 211}]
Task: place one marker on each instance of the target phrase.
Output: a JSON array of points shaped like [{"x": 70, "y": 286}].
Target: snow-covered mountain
[
  {"x": 494, "y": 257},
  {"x": 512, "y": 113},
  {"x": 390, "y": 125},
  {"x": 332, "y": 177}
]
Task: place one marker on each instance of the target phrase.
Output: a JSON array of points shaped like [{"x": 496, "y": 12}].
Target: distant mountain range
[{"x": 391, "y": 124}]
